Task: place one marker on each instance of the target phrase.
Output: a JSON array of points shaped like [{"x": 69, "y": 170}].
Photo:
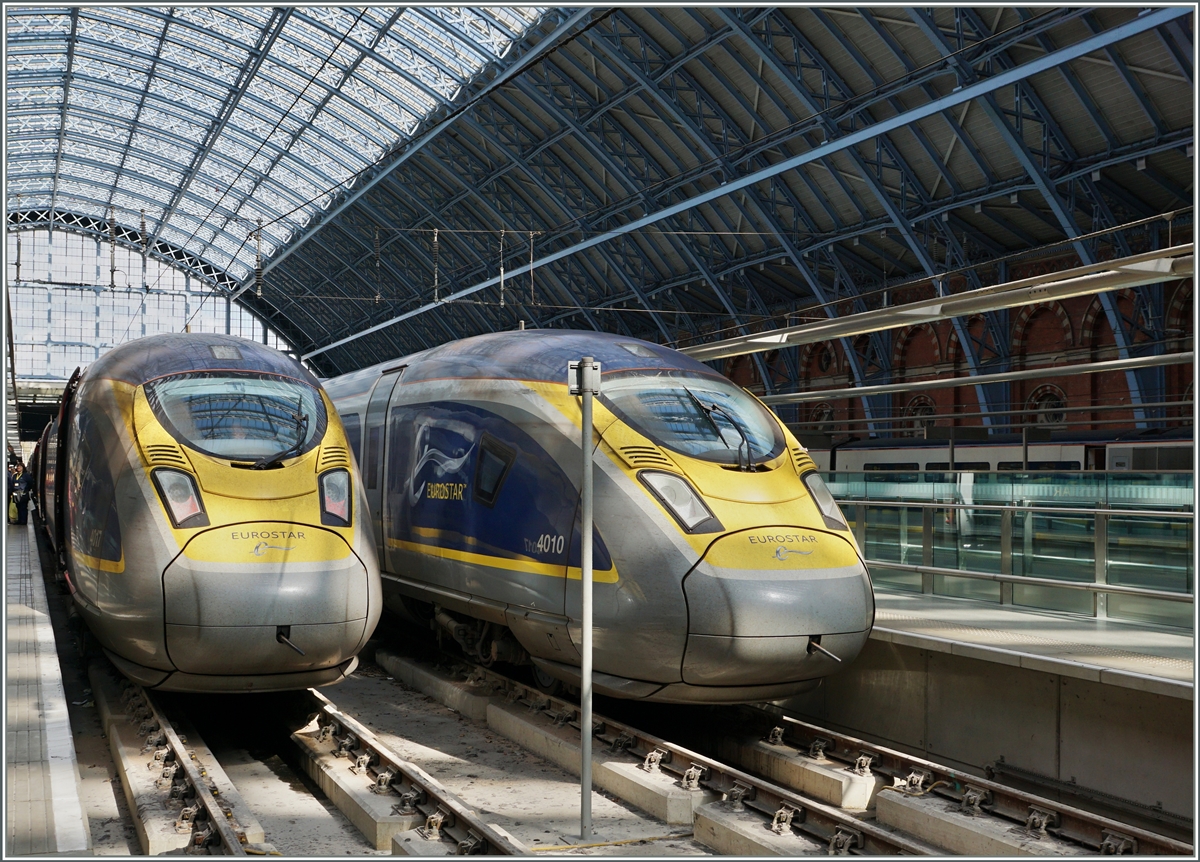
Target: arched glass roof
[{"x": 209, "y": 119}]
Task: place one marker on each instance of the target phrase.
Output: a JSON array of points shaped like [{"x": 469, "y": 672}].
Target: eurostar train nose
[
  {"x": 233, "y": 590},
  {"x": 759, "y": 598}
]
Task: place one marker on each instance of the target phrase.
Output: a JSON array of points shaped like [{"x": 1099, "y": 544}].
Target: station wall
[{"x": 1132, "y": 744}]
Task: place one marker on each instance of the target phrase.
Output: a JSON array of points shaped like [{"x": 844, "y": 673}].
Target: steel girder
[
  {"x": 523, "y": 55},
  {"x": 888, "y": 158},
  {"x": 68, "y": 78},
  {"x": 1063, "y": 211},
  {"x": 255, "y": 59},
  {"x": 131, "y": 238},
  {"x": 694, "y": 175}
]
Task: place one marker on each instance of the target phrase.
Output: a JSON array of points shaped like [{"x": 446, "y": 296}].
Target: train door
[
  {"x": 56, "y": 470},
  {"x": 372, "y": 465}
]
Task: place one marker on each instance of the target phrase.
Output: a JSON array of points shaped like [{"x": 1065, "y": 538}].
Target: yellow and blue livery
[
  {"x": 208, "y": 517},
  {"x": 724, "y": 571}
]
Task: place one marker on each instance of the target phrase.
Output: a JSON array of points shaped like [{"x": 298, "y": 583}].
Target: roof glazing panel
[{"x": 211, "y": 118}]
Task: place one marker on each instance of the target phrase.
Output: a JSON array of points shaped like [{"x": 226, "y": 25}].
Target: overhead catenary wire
[
  {"x": 783, "y": 132},
  {"x": 266, "y": 138},
  {"x": 833, "y": 104}
]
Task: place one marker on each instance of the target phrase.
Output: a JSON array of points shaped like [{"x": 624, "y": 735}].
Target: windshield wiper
[
  {"x": 269, "y": 461},
  {"x": 708, "y": 410},
  {"x": 715, "y": 408},
  {"x": 705, "y": 411}
]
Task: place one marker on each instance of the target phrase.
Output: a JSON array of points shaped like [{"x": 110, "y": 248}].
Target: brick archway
[
  {"x": 1175, "y": 316},
  {"x": 953, "y": 346},
  {"x": 1020, "y": 327},
  {"x": 905, "y": 335},
  {"x": 1087, "y": 325}
]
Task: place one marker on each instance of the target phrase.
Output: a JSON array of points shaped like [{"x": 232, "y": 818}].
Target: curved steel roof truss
[{"x": 543, "y": 121}]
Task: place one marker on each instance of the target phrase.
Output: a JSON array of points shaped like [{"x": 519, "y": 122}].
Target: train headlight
[
  {"x": 824, "y": 500},
  {"x": 335, "y": 498},
  {"x": 181, "y": 497},
  {"x": 685, "y": 504}
]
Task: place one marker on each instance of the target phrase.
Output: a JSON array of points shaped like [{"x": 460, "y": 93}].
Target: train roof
[
  {"x": 1135, "y": 435},
  {"x": 532, "y": 354},
  {"x": 154, "y": 356}
]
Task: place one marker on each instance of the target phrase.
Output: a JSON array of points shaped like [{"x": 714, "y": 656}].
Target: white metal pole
[{"x": 585, "y": 529}]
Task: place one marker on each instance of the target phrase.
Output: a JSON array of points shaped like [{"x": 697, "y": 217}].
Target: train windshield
[
  {"x": 239, "y": 417},
  {"x": 708, "y": 418}
]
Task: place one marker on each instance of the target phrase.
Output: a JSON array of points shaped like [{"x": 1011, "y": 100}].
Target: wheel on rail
[{"x": 545, "y": 683}]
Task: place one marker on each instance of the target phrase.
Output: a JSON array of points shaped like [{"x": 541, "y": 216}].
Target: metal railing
[{"x": 1090, "y": 558}]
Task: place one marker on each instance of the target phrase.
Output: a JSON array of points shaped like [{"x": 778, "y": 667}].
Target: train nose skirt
[
  {"x": 732, "y": 661},
  {"x": 757, "y": 597},
  {"x": 223, "y": 616}
]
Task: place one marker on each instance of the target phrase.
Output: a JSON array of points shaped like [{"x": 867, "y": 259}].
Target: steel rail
[
  {"x": 839, "y": 831},
  {"x": 446, "y": 816},
  {"x": 916, "y": 775},
  {"x": 1086, "y": 586},
  {"x": 908, "y": 774},
  {"x": 219, "y": 818},
  {"x": 988, "y": 507}
]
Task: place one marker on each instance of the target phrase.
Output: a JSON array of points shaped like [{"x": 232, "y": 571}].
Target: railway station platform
[
  {"x": 1155, "y": 659},
  {"x": 1091, "y": 708},
  {"x": 44, "y": 814}
]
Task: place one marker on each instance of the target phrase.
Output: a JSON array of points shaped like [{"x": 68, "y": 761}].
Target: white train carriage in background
[{"x": 1144, "y": 450}]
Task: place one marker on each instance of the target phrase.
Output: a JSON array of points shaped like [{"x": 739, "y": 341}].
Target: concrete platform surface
[
  {"x": 1147, "y": 658},
  {"x": 43, "y": 811}
]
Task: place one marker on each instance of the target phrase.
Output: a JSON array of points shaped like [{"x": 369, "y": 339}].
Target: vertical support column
[
  {"x": 927, "y": 547},
  {"x": 1006, "y": 525},
  {"x": 860, "y": 527},
  {"x": 1027, "y": 542},
  {"x": 1100, "y": 606},
  {"x": 583, "y": 379}
]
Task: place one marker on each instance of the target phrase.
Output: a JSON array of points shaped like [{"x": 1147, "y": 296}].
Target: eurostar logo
[
  {"x": 782, "y": 553},
  {"x": 262, "y": 547}
]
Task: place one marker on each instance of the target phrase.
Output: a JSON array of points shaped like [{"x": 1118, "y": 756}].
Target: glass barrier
[
  {"x": 1055, "y": 527},
  {"x": 1118, "y": 490}
]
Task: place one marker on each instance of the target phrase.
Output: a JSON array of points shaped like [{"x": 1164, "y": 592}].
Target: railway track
[
  {"x": 447, "y": 823},
  {"x": 907, "y": 772},
  {"x": 780, "y": 771},
  {"x": 784, "y": 786},
  {"x": 185, "y": 802}
]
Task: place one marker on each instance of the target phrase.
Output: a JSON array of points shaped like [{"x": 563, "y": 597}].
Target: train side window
[
  {"x": 491, "y": 468},
  {"x": 1053, "y": 466},
  {"x": 374, "y": 441},
  {"x": 91, "y": 497},
  {"x": 893, "y": 472},
  {"x": 1176, "y": 458},
  {"x": 353, "y": 426},
  {"x": 942, "y": 467}
]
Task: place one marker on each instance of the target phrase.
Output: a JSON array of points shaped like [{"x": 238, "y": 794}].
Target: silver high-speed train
[
  {"x": 724, "y": 571},
  {"x": 202, "y": 500}
]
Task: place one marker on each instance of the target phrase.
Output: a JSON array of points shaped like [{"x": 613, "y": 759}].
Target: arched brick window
[
  {"x": 921, "y": 410},
  {"x": 1047, "y": 406}
]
